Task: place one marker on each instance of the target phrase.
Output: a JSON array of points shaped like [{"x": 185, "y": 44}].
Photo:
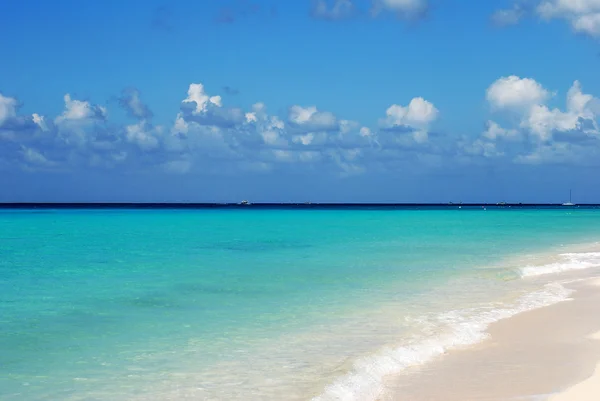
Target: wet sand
[{"x": 545, "y": 354}]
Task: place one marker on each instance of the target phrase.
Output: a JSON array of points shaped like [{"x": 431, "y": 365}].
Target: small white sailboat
[{"x": 569, "y": 203}]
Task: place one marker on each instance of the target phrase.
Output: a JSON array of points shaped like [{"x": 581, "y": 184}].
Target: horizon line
[{"x": 267, "y": 204}]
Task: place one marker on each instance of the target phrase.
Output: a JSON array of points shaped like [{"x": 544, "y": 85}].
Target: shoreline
[
  {"x": 550, "y": 353},
  {"x": 467, "y": 327}
]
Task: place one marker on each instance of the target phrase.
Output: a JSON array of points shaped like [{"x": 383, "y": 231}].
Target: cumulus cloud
[
  {"x": 311, "y": 119},
  {"x": 581, "y": 108},
  {"x": 414, "y": 118},
  {"x": 79, "y": 110},
  {"x": 204, "y": 109},
  {"x": 516, "y": 93},
  {"x": 17, "y": 127},
  {"x": 543, "y": 134},
  {"x": 79, "y": 122},
  {"x": 418, "y": 113},
  {"x": 198, "y": 98}
]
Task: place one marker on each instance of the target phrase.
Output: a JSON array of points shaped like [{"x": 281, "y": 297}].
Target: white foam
[
  {"x": 568, "y": 261},
  {"x": 462, "y": 327}
]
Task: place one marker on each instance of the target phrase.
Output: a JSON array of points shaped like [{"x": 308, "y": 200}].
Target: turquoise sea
[{"x": 264, "y": 303}]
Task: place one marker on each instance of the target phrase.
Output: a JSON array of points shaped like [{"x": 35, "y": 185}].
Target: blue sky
[{"x": 341, "y": 100}]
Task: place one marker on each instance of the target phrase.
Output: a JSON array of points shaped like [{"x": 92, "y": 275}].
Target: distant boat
[
  {"x": 569, "y": 203},
  {"x": 244, "y": 202}
]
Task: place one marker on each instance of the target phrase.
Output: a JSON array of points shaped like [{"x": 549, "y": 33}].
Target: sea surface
[{"x": 265, "y": 303}]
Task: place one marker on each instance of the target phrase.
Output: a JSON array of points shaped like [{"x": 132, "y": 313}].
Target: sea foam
[
  {"x": 457, "y": 329},
  {"x": 568, "y": 261}
]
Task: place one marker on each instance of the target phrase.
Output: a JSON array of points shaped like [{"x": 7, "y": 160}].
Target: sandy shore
[{"x": 552, "y": 353}]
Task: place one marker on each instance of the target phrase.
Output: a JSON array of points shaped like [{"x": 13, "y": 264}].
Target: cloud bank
[
  {"x": 209, "y": 136},
  {"x": 206, "y": 136}
]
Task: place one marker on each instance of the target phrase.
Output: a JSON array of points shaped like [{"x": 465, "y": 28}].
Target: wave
[
  {"x": 568, "y": 261},
  {"x": 460, "y": 328}
]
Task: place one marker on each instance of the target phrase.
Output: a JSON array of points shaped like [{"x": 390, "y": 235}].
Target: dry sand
[{"x": 551, "y": 353}]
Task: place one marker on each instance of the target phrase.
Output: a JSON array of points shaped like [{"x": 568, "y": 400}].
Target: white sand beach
[{"x": 552, "y": 353}]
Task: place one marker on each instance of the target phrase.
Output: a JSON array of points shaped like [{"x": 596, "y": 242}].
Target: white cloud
[
  {"x": 140, "y": 134},
  {"x": 544, "y": 134},
  {"x": 406, "y": 9},
  {"x": 418, "y": 114},
  {"x": 80, "y": 110},
  {"x": 516, "y": 93},
  {"x": 207, "y": 110},
  {"x": 311, "y": 119},
  {"x": 196, "y": 94},
  {"x": 494, "y": 131},
  {"x": 180, "y": 126},
  {"x": 528, "y": 97},
  {"x": 8, "y": 107},
  {"x": 76, "y": 124},
  {"x": 557, "y": 8},
  {"x": 585, "y": 105},
  {"x": 583, "y": 15},
  {"x": 270, "y": 129},
  {"x": 39, "y": 121},
  {"x": 250, "y": 117},
  {"x": 491, "y": 141},
  {"x": 365, "y": 132},
  {"x": 543, "y": 121},
  {"x": 588, "y": 24},
  {"x": 271, "y": 132},
  {"x": 414, "y": 119},
  {"x": 348, "y": 126}
]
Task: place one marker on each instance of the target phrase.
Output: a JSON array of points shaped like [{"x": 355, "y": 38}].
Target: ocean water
[{"x": 264, "y": 304}]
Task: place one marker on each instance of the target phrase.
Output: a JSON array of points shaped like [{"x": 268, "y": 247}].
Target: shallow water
[{"x": 261, "y": 304}]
